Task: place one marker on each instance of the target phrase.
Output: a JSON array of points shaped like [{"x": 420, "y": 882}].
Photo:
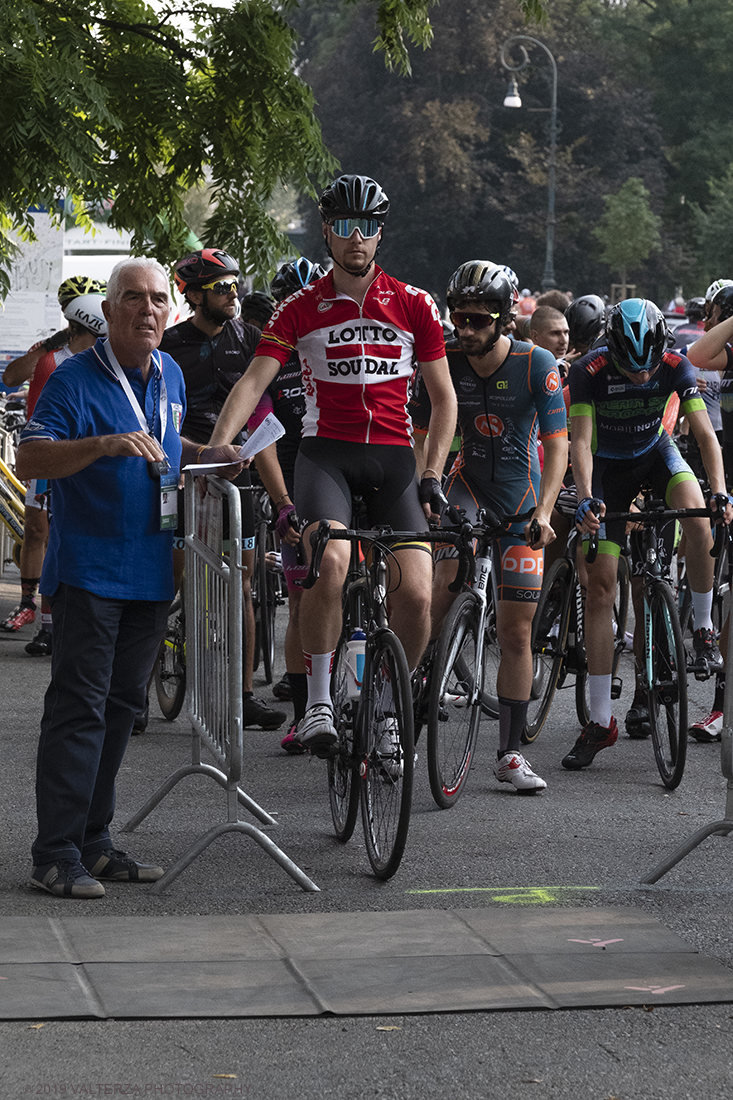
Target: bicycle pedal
[{"x": 616, "y": 686}]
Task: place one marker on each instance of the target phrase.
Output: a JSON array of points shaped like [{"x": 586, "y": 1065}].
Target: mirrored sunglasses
[
  {"x": 223, "y": 286},
  {"x": 344, "y": 227},
  {"x": 477, "y": 321}
]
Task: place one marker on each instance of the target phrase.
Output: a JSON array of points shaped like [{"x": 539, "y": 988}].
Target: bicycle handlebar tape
[{"x": 594, "y": 506}]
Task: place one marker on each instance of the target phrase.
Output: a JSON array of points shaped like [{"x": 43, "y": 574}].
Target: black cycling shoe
[
  {"x": 40, "y": 646},
  {"x": 707, "y": 655},
  {"x": 637, "y": 722}
]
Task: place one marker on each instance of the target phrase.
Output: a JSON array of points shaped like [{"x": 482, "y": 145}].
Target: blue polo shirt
[{"x": 105, "y": 532}]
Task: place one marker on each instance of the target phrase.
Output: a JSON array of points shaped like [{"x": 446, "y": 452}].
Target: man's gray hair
[{"x": 146, "y": 263}]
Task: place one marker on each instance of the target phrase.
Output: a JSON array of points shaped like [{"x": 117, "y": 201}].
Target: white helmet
[
  {"x": 715, "y": 287},
  {"x": 87, "y": 312}
]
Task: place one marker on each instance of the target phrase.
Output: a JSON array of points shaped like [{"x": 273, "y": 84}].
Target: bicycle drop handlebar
[
  {"x": 658, "y": 516},
  {"x": 461, "y": 536}
]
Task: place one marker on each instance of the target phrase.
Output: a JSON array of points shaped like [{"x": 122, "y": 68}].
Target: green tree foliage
[
  {"x": 714, "y": 224},
  {"x": 629, "y": 231},
  {"x": 465, "y": 175},
  {"x": 119, "y": 100}
]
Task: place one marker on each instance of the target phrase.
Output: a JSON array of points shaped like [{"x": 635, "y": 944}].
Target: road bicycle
[
  {"x": 457, "y": 677},
  {"x": 372, "y": 764},
  {"x": 267, "y": 593},
  {"x": 665, "y": 657},
  {"x": 558, "y": 638}
]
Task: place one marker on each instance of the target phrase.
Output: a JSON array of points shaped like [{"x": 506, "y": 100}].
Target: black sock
[
  {"x": 299, "y": 692},
  {"x": 512, "y": 720},
  {"x": 719, "y": 696}
]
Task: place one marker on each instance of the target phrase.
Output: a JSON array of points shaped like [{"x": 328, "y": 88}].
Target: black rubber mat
[{"x": 310, "y": 964}]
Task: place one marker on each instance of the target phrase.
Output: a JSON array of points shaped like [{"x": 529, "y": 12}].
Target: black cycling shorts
[{"x": 329, "y": 471}]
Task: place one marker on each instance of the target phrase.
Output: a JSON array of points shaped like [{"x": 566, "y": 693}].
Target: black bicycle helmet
[
  {"x": 294, "y": 276},
  {"x": 481, "y": 281},
  {"x": 354, "y": 197},
  {"x": 695, "y": 310},
  {"x": 636, "y": 335},
  {"x": 724, "y": 300},
  {"x": 204, "y": 266},
  {"x": 586, "y": 317},
  {"x": 258, "y": 307}
]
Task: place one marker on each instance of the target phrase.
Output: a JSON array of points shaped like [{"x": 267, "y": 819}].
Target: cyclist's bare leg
[
  {"x": 409, "y": 600},
  {"x": 320, "y": 609},
  {"x": 599, "y": 640},
  {"x": 514, "y": 634},
  {"x": 442, "y": 599},
  {"x": 35, "y": 540},
  {"x": 698, "y": 537},
  {"x": 293, "y": 645}
]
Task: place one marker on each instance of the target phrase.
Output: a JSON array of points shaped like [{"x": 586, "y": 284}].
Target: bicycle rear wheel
[
  {"x": 170, "y": 667},
  {"x": 386, "y": 752},
  {"x": 454, "y": 711},
  {"x": 666, "y": 671},
  {"x": 549, "y": 636},
  {"x": 343, "y": 786}
]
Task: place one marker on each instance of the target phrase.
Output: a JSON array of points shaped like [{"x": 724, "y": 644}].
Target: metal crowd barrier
[
  {"x": 214, "y": 653},
  {"x": 714, "y": 828}
]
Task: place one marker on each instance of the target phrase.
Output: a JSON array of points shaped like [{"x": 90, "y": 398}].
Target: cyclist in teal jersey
[
  {"x": 508, "y": 393},
  {"x": 618, "y": 396}
]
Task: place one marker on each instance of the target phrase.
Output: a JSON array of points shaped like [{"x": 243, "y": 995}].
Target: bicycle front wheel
[
  {"x": 343, "y": 786},
  {"x": 549, "y": 635},
  {"x": 454, "y": 710},
  {"x": 666, "y": 671},
  {"x": 170, "y": 667},
  {"x": 386, "y": 752}
]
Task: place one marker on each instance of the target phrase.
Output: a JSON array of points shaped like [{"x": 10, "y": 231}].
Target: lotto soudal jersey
[
  {"x": 356, "y": 360},
  {"x": 627, "y": 417}
]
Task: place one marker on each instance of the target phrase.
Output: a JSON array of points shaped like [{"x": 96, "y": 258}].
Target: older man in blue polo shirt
[{"x": 106, "y": 429}]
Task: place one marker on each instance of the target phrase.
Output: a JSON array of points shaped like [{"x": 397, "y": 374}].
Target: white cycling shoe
[{"x": 514, "y": 769}]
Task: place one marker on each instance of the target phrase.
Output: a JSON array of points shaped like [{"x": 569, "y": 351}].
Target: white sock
[
  {"x": 318, "y": 668},
  {"x": 702, "y": 605},
  {"x": 600, "y": 699}
]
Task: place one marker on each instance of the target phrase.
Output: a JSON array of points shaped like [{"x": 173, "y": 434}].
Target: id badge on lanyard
[{"x": 167, "y": 480}]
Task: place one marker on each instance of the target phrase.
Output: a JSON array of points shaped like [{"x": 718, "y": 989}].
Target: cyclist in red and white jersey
[{"x": 358, "y": 333}]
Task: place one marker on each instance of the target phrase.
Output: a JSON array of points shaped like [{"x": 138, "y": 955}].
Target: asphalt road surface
[{"x": 584, "y": 842}]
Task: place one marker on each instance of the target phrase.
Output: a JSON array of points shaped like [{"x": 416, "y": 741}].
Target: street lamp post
[{"x": 513, "y": 100}]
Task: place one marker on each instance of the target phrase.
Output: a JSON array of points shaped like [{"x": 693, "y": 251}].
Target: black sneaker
[
  {"x": 40, "y": 646},
  {"x": 637, "y": 721},
  {"x": 66, "y": 878},
  {"x": 707, "y": 655},
  {"x": 281, "y": 690},
  {"x": 257, "y": 713},
  {"x": 119, "y": 867},
  {"x": 591, "y": 741}
]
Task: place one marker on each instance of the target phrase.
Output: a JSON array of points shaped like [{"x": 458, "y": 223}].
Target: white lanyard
[{"x": 136, "y": 408}]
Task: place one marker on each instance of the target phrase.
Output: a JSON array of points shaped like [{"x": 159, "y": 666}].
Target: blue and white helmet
[
  {"x": 636, "y": 334},
  {"x": 294, "y": 276}
]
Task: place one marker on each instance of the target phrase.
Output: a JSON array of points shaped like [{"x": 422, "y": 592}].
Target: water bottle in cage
[{"x": 355, "y": 649}]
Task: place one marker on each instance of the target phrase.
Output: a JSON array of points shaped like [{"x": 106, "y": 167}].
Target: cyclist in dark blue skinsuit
[
  {"x": 508, "y": 393},
  {"x": 618, "y": 397}
]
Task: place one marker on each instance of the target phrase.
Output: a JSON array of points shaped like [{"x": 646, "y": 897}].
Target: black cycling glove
[{"x": 431, "y": 493}]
